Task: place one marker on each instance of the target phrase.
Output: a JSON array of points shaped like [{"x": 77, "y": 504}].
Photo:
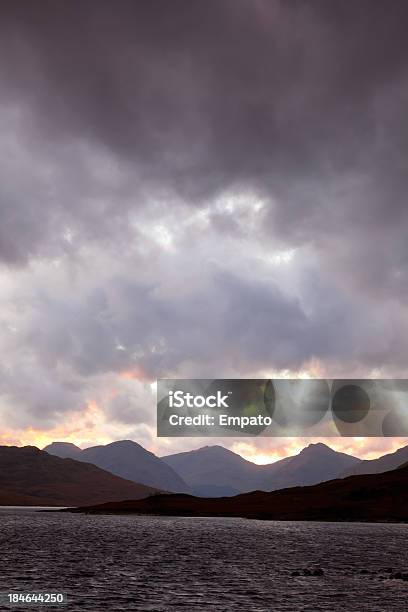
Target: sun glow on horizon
[
  {"x": 274, "y": 449},
  {"x": 80, "y": 427}
]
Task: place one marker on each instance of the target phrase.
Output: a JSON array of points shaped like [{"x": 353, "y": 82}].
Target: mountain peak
[
  {"x": 131, "y": 460},
  {"x": 218, "y": 448},
  {"x": 214, "y": 447},
  {"x": 317, "y": 447},
  {"x": 124, "y": 443},
  {"x": 62, "y": 445},
  {"x": 31, "y": 476},
  {"x": 64, "y": 450},
  {"x": 216, "y": 451}
]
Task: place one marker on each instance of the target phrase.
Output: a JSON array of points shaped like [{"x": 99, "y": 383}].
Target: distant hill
[
  {"x": 383, "y": 464},
  {"x": 128, "y": 460},
  {"x": 216, "y": 466},
  {"x": 370, "y": 497},
  {"x": 65, "y": 450},
  {"x": 315, "y": 463},
  {"x": 29, "y": 476}
]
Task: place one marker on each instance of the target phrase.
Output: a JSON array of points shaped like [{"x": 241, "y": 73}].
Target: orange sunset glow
[
  {"x": 90, "y": 427},
  {"x": 80, "y": 427}
]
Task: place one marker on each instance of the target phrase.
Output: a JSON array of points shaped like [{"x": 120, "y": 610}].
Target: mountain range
[
  {"x": 214, "y": 471},
  {"x": 369, "y": 497},
  {"x": 127, "y": 459},
  {"x": 220, "y": 467},
  {"x": 385, "y": 463},
  {"x": 29, "y": 476},
  {"x": 215, "y": 468}
]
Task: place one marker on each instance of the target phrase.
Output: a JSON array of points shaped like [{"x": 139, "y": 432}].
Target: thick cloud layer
[{"x": 201, "y": 189}]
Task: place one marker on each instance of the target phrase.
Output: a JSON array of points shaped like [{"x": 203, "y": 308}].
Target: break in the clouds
[{"x": 201, "y": 189}]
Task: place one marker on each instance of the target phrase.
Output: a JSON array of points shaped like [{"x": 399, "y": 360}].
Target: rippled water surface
[{"x": 144, "y": 563}]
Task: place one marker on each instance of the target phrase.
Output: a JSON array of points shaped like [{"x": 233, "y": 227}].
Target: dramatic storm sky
[{"x": 196, "y": 188}]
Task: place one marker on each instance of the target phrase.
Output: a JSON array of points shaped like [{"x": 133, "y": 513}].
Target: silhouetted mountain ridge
[
  {"x": 387, "y": 462},
  {"x": 219, "y": 467},
  {"x": 215, "y": 471},
  {"x": 215, "y": 466},
  {"x": 126, "y": 459},
  {"x": 64, "y": 450},
  {"x": 315, "y": 463},
  {"x": 29, "y": 476},
  {"x": 372, "y": 497}
]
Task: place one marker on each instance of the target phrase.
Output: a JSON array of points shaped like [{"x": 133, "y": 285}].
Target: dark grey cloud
[
  {"x": 124, "y": 73},
  {"x": 223, "y": 324},
  {"x": 289, "y": 99},
  {"x": 160, "y": 160}
]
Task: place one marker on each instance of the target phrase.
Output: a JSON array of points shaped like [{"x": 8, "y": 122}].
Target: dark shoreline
[{"x": 370, "y": 498}]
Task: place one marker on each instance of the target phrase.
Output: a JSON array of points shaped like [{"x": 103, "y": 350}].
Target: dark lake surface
[{"x": 149, "y": 563}]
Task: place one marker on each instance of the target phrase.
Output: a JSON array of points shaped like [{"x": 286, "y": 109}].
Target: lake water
[{"x": 148, "y": 563}]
